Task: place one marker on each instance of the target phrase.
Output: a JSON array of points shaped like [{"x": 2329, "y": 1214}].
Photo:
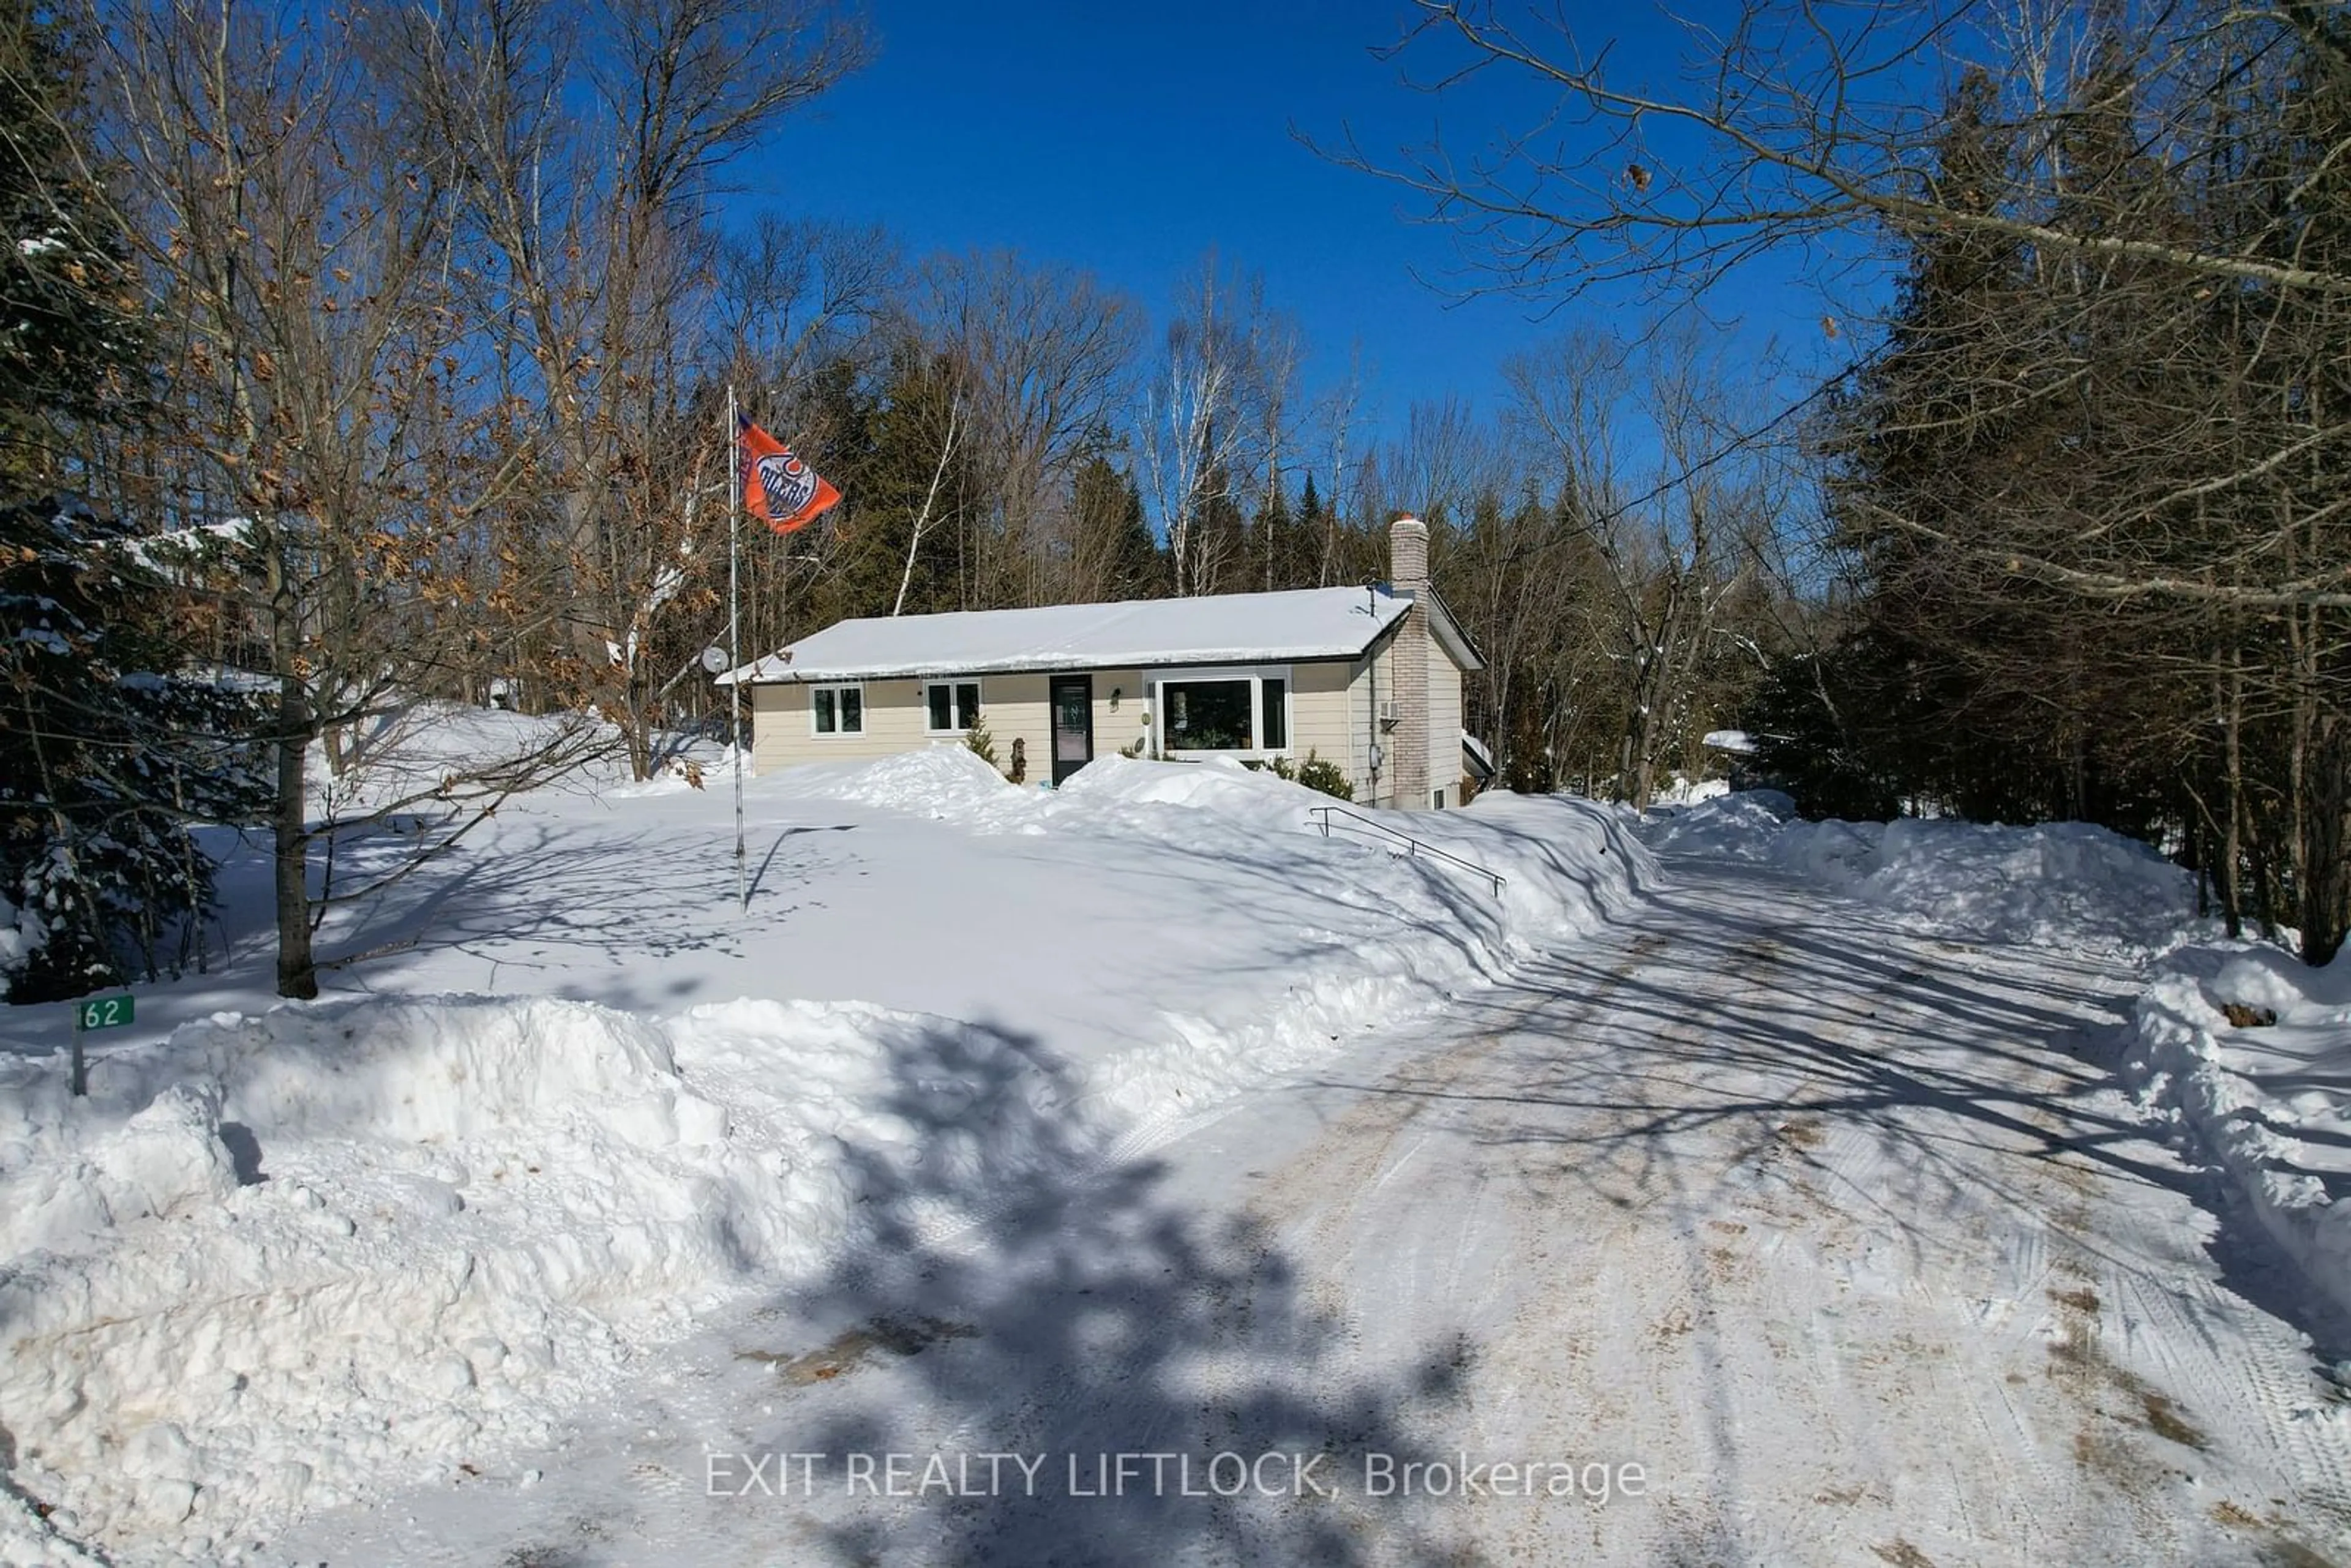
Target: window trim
[
  {"x": 1156, "y": 682},
  {"x": 979, "y": 702},
  {"x": 836, "y": 732}
]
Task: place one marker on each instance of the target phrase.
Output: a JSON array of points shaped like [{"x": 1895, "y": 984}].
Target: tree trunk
[
  {"x": 298, "y": 976},
  {"x": 2232, "y": 847},
  {"x": 2327, "y": 852}
]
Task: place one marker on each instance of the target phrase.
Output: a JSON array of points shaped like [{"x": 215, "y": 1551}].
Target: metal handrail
[{"x": 1413, "y": 847}]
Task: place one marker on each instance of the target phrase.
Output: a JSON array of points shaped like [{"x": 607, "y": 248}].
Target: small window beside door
[
  {"x": 837, "y": 710},
  {"x": 951, "y": 708}
]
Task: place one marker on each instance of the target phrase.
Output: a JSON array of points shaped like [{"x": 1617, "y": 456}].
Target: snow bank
[
  {"x": 948, "y": 782},
  {"x": 1682, "y": 792},
  {"x": 276, "y": 1260},
  {"x": 1567, "y": 862},
  {"x": 2063, "y": 883},
  {"x": 1293, "y": 889},
  {"x": 29, "y": 1540},
  {"x": 2270, "y": 1102}
]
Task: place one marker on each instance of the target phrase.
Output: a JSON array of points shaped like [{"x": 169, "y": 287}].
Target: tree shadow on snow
[
  {"x": 1929, "y": 1050},
  {"x": 587, "y": 905},
  {"x": 1015, "y": 1289},
  {"x": 1010, "y": 1286}
]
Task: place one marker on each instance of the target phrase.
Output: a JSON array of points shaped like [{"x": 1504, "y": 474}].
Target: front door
[{"x": 1074, "y": 725}]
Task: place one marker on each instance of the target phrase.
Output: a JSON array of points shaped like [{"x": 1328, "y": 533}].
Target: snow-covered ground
[
  {"x": 280, "y": 1258},
  {"x": 1147, "y": 1114},
  {"x": 2060, "y": 884},
  {"x": 2266, "y": 1093},
  {"x": 1754, "y": 1228},
  {"x": 2265, "y": 1098}
]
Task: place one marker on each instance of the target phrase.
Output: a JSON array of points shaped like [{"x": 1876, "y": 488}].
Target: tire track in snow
[{"x": 1859, "y": 1365}]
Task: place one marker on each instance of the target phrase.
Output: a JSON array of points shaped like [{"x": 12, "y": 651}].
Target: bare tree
[
  {"x": 1338, "y": 412},
  {"x": 598, "y": 225},
  {"x": 930, "y": 502},
  {"x": 325, "y": 482},
  {"x": 1197, "y": 416},
  {"x": 1669, "y": 556},
  {"x": 1818, "y": 129},
  {"x": 1042, "y": 353}
]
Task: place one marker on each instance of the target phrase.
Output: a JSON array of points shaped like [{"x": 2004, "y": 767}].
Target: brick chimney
[{"x": 1407, "y": 744}]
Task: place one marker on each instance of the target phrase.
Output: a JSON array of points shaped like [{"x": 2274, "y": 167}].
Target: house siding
[
  {"x": 1118, "y": 727},
  {"x": 780, "y": 737},
  {"x": 1019, "y": 707},
  {"x": 1373, "y": 680},
  {"x": 1444, "y": 724},
  {"x": 1320, "y": 718},
  {"x": 1015, "y": 707}
]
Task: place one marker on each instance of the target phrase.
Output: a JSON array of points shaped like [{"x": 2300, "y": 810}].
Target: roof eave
[
  {"x": 1448, "y": 630},
  {"x": 1160, "y": 660}
]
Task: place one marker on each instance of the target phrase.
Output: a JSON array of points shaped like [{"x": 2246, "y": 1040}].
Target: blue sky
[{"x": 1130, "y": 140}]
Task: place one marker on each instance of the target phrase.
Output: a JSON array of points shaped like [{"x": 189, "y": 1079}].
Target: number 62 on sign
[{"x": 104, "y": 1012}]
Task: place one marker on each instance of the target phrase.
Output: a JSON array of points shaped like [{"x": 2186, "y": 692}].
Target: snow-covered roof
[{"x": 1230, "y": 628}]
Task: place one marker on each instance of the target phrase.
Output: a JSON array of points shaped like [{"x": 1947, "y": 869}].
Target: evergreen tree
[
  {"x": 102, "y": 759},
  {"x": 1220, "y": 537},
  {"x": 1937, "y": 423},
  {"x": 1313, "y": 527},
  {"x": 71, "y": 350},
  {"x": 886, "y": 452},
  {"x": 1114, "y": 556}
]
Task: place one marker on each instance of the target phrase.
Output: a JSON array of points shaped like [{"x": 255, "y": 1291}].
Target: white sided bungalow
[{"x": 1367, "y": 678}]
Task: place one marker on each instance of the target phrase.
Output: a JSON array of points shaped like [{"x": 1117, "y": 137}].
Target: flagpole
[{"x": 735, "y": 635}]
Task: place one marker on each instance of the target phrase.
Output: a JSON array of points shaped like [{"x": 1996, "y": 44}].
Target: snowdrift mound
[
  {"x": 1566, "y": 861},
  {"x": 276, "y": 1261},
  {"x": 948, "y": 781},
  {"x": 1374, "y": 929},
  {"x": 2265, "y": 1096},
  {"x": 1243, "y": 795},
  {"x": 2060, "y": 884}
]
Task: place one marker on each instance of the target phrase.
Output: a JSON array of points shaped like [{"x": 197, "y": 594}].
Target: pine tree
[
  {"x": 71, "y": 350},
  {"x": 103, "y": 761},
  {"x": 885, "y": 451},
  {"x": 1114, "y": 555},
  {"x": 1931, "y": 429}
]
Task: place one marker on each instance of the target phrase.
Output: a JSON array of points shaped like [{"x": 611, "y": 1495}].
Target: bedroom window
[
  {"x": 951, "y": 706},
  {"x": 837, "y": 710}
]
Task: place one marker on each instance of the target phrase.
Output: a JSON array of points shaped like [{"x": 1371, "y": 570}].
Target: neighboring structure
[{"x": 1369, "y": 678}]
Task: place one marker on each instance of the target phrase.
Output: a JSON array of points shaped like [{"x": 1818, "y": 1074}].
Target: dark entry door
[{"x": 1072, "y": 701}]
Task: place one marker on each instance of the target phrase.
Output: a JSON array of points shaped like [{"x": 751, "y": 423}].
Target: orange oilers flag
[{"x": 779, "y": 489}]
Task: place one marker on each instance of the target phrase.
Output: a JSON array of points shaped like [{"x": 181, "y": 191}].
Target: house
[{"x": 1368, "y": 678}]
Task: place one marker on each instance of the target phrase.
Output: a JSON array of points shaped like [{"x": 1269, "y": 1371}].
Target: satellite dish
[{"x": 714, "y": 659}]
